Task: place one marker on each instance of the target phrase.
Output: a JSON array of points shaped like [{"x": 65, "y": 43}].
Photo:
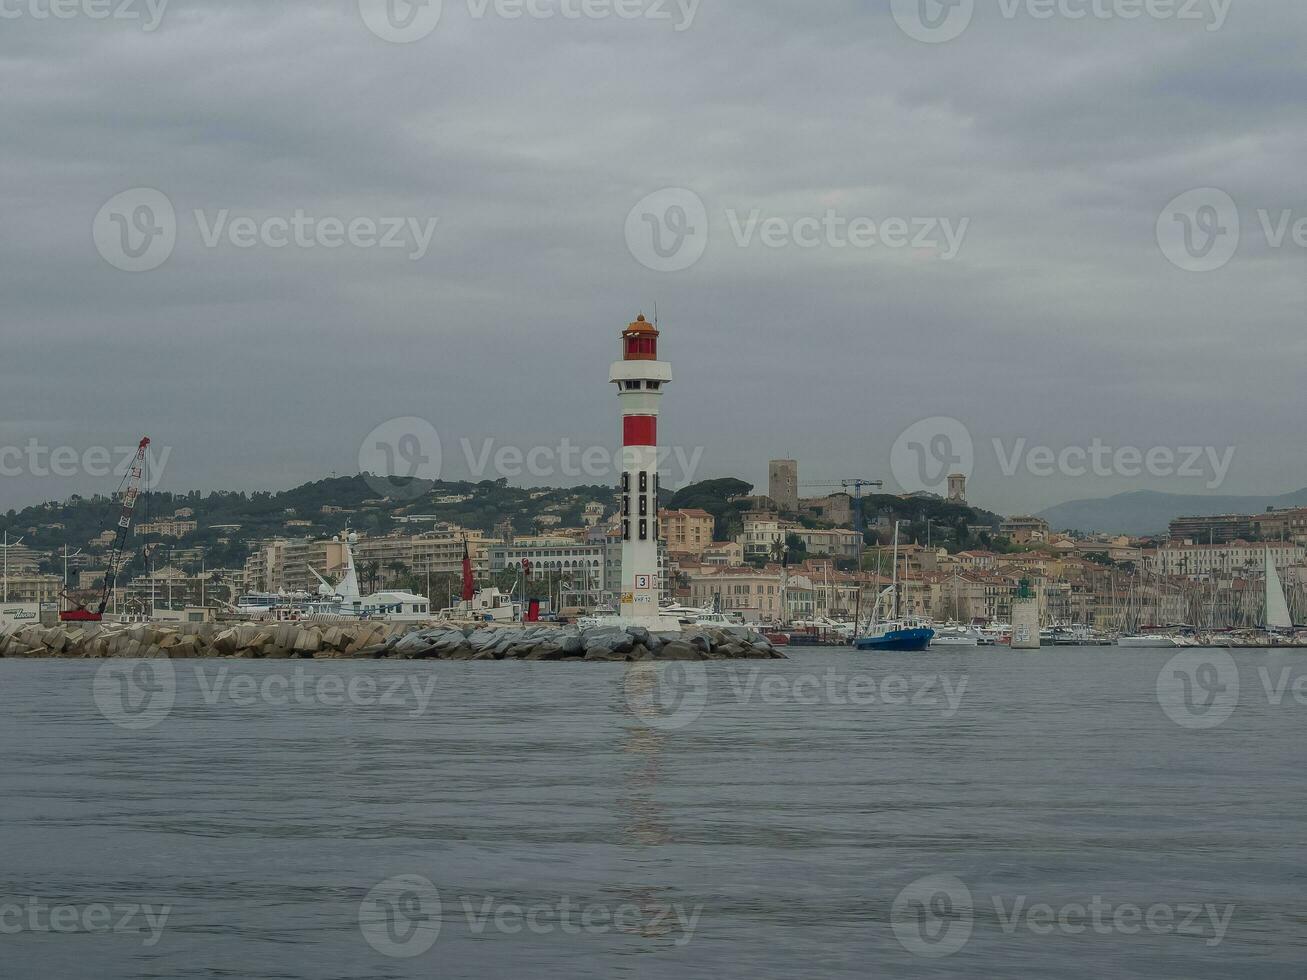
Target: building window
[
  {"x": 626, "y": 505},
  {"x": 644, "y": 505},
  {"x": 626, "y": 483},
  {"x": 644, "y": 530},
  {"x": 626, "y": 530},
  {"x": 644, "y": 482}
]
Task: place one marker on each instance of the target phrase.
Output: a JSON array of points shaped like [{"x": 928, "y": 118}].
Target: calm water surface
[{"x": 765, "y": 833}]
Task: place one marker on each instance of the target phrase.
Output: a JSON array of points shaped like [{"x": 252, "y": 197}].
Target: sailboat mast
[{"x": 895, "y": 577}]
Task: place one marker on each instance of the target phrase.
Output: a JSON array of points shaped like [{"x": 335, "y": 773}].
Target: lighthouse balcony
[{"x": 659, "y": 371}]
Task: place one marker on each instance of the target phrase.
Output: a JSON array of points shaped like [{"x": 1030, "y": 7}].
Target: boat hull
[
  {"x": 1147, "y": 642},
  {"x": 900, "y": 641}
]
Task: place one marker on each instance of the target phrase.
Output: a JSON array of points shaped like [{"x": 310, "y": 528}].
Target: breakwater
[{"x": 379, "y": 640}]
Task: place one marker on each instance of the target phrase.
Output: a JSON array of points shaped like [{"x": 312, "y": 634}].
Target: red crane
[{"x": 129, "y": 490}]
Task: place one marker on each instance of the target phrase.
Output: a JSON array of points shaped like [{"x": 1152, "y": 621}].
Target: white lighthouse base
[
  {"x": 654, "y": 624},
  {"x": 1025, "y": 624}
]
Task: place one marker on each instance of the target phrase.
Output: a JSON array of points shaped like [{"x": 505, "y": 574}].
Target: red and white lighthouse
[{"x": 640, "y": 378}]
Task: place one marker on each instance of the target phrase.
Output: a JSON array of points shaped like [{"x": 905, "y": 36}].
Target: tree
[
  {"x": 397, "y": 570},
  {"x": 370, "y": 569}
]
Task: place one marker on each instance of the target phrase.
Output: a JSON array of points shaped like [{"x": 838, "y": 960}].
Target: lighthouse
[{"x": 640, "y": 378}]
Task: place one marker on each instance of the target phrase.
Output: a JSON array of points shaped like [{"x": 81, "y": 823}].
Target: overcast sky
[{"x": 1051, "y": 147}]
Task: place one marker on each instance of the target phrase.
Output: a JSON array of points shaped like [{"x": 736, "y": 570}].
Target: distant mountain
[{"x": 1149, "y": 512}]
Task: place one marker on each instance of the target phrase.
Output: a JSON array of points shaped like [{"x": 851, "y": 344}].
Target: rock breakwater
[{"x": 282, "y": 641}]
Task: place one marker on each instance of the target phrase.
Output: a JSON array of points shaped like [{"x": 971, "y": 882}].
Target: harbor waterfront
[{"x": 783, "y": 827}]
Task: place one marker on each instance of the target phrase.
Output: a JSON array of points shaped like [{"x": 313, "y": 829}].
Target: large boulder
[{"x": 680, "y": 650}]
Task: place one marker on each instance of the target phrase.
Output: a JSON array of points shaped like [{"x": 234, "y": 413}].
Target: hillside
[
  {"x": 1149, "y": 512},
  {"x": 321, "y": 508}
]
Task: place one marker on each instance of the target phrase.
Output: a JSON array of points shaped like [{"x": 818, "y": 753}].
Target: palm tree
[
  {"x": 370, "y": 569},
  {"x": 397, "y": 570}
]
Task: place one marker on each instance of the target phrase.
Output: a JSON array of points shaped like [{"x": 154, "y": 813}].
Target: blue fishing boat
[
  {"x": 895, "y": 634},
  {"x": 905, "y": 636}
]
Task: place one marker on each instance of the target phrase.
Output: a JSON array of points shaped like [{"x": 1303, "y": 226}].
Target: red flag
[{"x": 469, "y": 583}]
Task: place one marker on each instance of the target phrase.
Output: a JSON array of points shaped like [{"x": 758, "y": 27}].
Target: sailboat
[
  {"x": 895, "y": 634},
  {"x": 1277, "y": 606}
]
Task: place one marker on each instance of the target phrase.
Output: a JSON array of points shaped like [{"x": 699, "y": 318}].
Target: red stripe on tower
[{"x": 640, "y": 430}]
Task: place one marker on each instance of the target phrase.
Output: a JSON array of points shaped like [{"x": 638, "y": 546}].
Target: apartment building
[
  {"x": 1024, "y": 529},
  {"x": 28, "y": 588},
  {"x": 1212, "y": 529},
  {"x": 592, "y": 564},
  {"x": 282, "y": 565},
  {"x": 835, "y": 543},
  {"x": 167, "y": 528},
  {"x": 686, "y": 532},
  {"x": 763, "y": 533},
  {"x": 1282, "y": 525},
  {"x": 1201, "y": 560},
  {"x": 723, "y": 553},
  {"x": 752, "y": 593}
]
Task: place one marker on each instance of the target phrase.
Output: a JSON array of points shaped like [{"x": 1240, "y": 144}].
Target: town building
[
  {"x": 1214, "y": 529},
  {"x": 591, "y": 566},
  {"x": 835, "y": 543},
  {"x": 167, "y": 528},
  {"x": 29, "y": 588},
  {"x": 754, "y": 594},
  {"x": 1203, "y": 560},
  {"x": 1282, "y": 525},
  {"x": 723, "y": 553},
  {"x": 835, "y": 508},
  {"x": 686, "y": 532},
  {"x": 1024, "y": 529},
  {"x": 762, "y": 536}
]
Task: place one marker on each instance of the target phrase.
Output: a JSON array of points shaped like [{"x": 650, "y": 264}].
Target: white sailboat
[{"x": 1277, "y": 606}]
